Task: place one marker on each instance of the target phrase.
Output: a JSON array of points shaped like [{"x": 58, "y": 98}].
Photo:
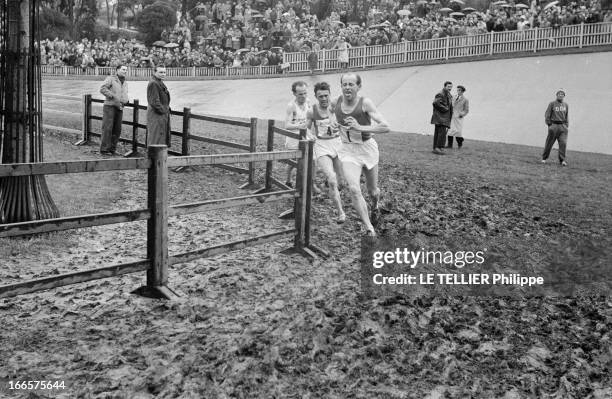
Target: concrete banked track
[{"x": 507, "y": 97}]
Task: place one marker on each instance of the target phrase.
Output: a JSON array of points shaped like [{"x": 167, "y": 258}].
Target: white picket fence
[{"x": 487, "y": 44}]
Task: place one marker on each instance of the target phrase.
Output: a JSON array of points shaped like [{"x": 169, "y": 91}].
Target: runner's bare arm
[{"x": 309, "y": 119}]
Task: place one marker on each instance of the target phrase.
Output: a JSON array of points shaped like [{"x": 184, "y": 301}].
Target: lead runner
[{"x": 359, "y": 151}]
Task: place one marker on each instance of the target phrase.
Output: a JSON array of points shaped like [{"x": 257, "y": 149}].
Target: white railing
[{"x": 486, "y": 44}]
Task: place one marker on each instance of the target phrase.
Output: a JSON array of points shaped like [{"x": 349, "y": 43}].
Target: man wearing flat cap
[{"x": 557, "y": 120}]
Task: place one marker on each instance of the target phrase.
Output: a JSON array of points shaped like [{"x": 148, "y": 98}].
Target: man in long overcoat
[
  {"x": 441, "y": 118},
  {"x": 158, "y": 109}
]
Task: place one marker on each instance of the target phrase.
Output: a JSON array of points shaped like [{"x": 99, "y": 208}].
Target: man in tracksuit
[{"x": 557, "y": 120}]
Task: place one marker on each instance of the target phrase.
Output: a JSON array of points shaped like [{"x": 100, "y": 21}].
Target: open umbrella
[
  {"x": 457, "y": 14},
  {"x": 159, "y": 43},
  {"x": 521, "y": 6},
  {"x": 200, "y": 7},
  {"x": 404, "y": 12},
  {"x": 499, "y": 3},
  {"x": 446, "y": 9},
  {"x": 171, "y": 45},
  {"x": 551, "y": 4},
  {"x": 458, "y": 1},
  {"x": 468, "y": 9}
]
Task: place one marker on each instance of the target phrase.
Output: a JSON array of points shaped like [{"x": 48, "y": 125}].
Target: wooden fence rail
[
  {"x": 158, "y": 211},
  {"x": 413, "y": 52}
]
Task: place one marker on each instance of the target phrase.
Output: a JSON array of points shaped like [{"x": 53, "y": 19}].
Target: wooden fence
[
  {"x": 456, "y": 47},
  {"x": 158, "y": 211},
  {"x": 411, "y": 53},
  {"x": 185, "y": 134}
]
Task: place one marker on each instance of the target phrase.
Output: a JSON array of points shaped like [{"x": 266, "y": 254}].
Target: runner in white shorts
[
  {"x": 359, "y": 151},
  {"x": 327, "y": 144},
  {"x": 295, "y": 119}
]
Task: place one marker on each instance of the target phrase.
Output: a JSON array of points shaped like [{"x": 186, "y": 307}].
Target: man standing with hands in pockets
[
  {"x": 557, "y": 120},
  {"x": 115, "y": 90},
  {"x": 158, "y": 109},
  {"x": 441, "y": 118}
]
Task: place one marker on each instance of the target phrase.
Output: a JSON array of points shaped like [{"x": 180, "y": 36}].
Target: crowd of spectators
[{"x": 253, "y": 33}]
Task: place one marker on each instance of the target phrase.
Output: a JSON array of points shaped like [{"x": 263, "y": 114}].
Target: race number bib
[{"x": 350, "y": 136}]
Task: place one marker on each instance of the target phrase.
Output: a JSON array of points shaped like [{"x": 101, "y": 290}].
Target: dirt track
[{"x": 258, "y": 324}]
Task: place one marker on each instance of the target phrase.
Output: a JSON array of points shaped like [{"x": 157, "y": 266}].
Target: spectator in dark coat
[
  {"x": 441, "y": 118},
  {"x": 158, "y": 109}
]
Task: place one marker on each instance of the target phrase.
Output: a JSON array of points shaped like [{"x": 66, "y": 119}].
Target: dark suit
[
  {"x": 441, "y": 118},
  {"x": 158, "y": 113}
]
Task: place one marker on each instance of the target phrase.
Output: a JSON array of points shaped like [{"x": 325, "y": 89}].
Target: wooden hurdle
[{"x": 158, "y": 212}]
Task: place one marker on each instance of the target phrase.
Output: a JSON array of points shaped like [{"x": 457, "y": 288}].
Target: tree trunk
[{"x": 22, "y": 198}]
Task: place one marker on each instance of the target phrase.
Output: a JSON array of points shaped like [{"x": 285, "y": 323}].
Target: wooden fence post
[
  {"x": 157, "y": 226},
  {"x": 135, "y": 112},
  {"x": 581, "y": 34},
  {"x": 309, "y": 182},
  {"x": 186, "y": 131},
  {"x": 303, "y": 203},
  {"x": 86, "y": 119},
  {"x": 491, "y": 37},
  {"x": 269, "y": 148},
  {"x": 299, "y": 210},
  {"x": 250, "y": 184},
  {"x": 535, "y": 39}
]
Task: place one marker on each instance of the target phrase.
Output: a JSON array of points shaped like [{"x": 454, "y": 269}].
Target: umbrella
[
  {"x": 242, "y": 50},
  {"x": 500, "y": 2},
  {"x": 506, "y": 5},
  {"x": 200, "y": 17},
  {"x": 200, "y": 6},
  {"x": 159, "y": 43},
  {"x": 450, "y": 19},
  {"x": 458, "y": 1},
  {"x": 457, "y": 14},
  {"x": 404, "y": 12},
  {"x": 171, "y": 45},
  {"x": 522, "y": 6},
  {"x": 338, "y": 23},
  {"x": 446, "y": 9},
  {"x": 468, "y": 9},
  {"x": 551, "y": 4}
]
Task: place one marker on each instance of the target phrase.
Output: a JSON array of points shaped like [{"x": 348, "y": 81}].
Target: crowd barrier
[
  {"x": 410, "y": 52},
  {"x": 158, "y": 211}
]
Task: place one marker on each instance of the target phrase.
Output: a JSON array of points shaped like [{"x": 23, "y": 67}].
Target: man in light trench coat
[{"x": 461, "y": 107}]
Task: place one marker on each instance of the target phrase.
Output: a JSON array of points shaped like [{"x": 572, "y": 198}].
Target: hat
[{"x": 560, "y": 91}]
